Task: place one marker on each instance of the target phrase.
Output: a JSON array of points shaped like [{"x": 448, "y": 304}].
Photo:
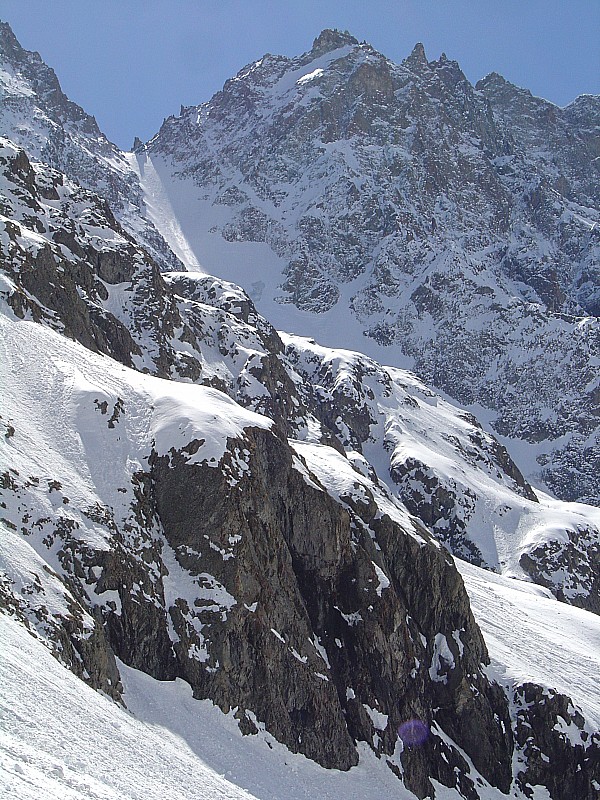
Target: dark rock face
[
  {"x": 372, "y": 409},
  {"x": 251, "y": 653},
  {"x": 290, "y": 589},
  {"x": 321, "y": 618},
  {"x": 580, "y": 554},
  {"x": 66, "y": 278},
  {"x": 445, "y": 511},
  {"x": 554, "y": 746}
]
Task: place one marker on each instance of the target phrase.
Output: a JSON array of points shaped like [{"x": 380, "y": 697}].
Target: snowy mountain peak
[
  {"x": 450, "y": 71},
  {"x": 38, "y": 116},
  {"x": 27, "y": 72},
  {"x": 499, "y": 90},
  {"x": 406, "y": 213}
]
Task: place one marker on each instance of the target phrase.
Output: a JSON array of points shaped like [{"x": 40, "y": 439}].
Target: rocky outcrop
[
  {"x": 315, "y": 616},
  {"x": 81, "y": 272},
  {"x": 262, "y": 558},
  {"x": 579, "y": 554},
  {"x": 554, "y": 746},
  {"x": 310, "y": 602},
  {"x": 88, "y": 279},
  {"x": 386, "y": 417}
]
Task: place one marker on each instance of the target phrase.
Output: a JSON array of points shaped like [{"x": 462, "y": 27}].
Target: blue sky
[{"x": 133, "y": 62}]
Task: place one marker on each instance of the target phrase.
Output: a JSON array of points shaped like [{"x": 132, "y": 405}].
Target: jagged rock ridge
[
  {"x": 81, "y": 274},
  {"x": 231, "y": 558}
]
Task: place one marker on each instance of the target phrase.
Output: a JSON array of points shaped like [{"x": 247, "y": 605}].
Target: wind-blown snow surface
[
  {"x": 72, "y": 384},
  {"x": 60, "y": 739},
  {"x": 531, "y": 637}
]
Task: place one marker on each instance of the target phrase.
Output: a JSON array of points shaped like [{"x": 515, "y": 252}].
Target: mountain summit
[
  {"x": 41, "y": 118},
  {"x": 329, "y": 40},
  {"x": 446, "y": 227}
]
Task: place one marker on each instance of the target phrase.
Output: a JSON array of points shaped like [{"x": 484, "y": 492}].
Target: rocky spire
[
  {"x": 493, "y": 79},
  {"x": 8, "y": 42},
  {"x": 417, "y": 59},
  {"x": 496, "y": 86},
  {"x": 329, "y": 40},
  {"x": 42, "y": 79},
  {"x": 453, "y": 74}
]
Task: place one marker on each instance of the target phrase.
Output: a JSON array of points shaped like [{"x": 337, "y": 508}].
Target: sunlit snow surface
[
  {"x": 191, "y": 225},
  {"x": 54, "y": 397},
  {"x": 532, "y": 637},
  {"x": 60, "y": 739},
  {"x": 210, "y": 194}
]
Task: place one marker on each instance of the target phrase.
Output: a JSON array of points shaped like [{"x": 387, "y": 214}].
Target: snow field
[
  {"x": 532, "y": 637},
  {"x": 61, "y": 739}
]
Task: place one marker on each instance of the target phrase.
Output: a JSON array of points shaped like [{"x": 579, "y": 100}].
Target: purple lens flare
[{"x": 413, "y": 732}]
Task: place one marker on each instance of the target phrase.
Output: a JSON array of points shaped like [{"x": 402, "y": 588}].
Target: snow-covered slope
[
  {"x": 546, "y": 657},
  {"x": 533, "y": 639},
  {"x": 460, "y": 481},
  {"x": 398, "y": 210},
  {"x": 133, "y": 510},
  {"x": 61, "y": 739},
  {"x": 89, "y": 280},
  {"x": 69, "y": 264},
  {"x": 78, "y": 432}
]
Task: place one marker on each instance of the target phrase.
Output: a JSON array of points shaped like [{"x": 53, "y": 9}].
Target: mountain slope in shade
[
  {"x": 37, "y": 115},
  {"x": 397, "y": 209}
]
